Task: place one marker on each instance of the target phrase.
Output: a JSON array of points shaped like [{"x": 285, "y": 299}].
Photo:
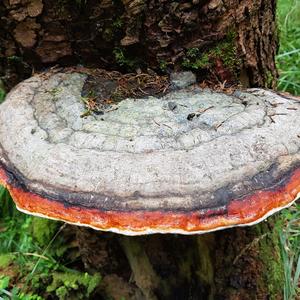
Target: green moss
[
  {"x": 15, "y": 58},
  {"x": 123, "y": 60},
  {"x": 225, "y": 51},
  {"x": 270, "y": 79},
  {"x": 4, "y": 283},
  {"x": 2, "y": 91},
  {"x": 108, "y": 34},
  {"x": 111, "y": 30},
  {"x": 196, "y": 60},
  {"x": 2, "y": 95},
  {"x": 270, "y": 257},
  {"x": 43, "y": 230},
  {"x": 15, "y": 293},
  {"x": 6, "y": 260},
  {"x": 118, "y": 23},
  {"x": 163, "y": 65},
  {"x": 68, "y": 284}
]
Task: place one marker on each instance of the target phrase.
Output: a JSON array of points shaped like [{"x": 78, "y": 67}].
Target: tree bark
[
  {"x": 240, "y": 263},
  {"x": 231, "y": 42}
]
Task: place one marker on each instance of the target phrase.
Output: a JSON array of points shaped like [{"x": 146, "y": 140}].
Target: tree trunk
[
  {"x": 223, "y": 42},
  {"x": 230, "y": 40},
  {"x": 240, "y": 263}
]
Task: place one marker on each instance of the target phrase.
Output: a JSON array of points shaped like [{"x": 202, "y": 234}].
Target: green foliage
[
  {"x": 6, "y": 259},
  {"x": 226, "y": 51},
  {"x": 4, "y": 282},
  {"x": 2, "y": 94},
  {"x": 288, "y": 59},
  {"x": 71, "y": 282},
  {"x": 43, "y": 230},
  {"x": 120, "y": 57},
  {"x": 195, "y": 60},
  {"x": 15, "y": 58},
  {"x": 123, "y": 61},
  {"x": 163, "y": 65},
  {"x": 270, "y": 257},
  {"x": 14, "y": 225},
  {"x": 36, "y": 252},
  {"x": 118, "y": 23},
  {"x": 6, "y": 209},
  {"x": 14, "y": 293},
  {"x": 110, "y": 32},
  {"x": 288, "y": 63},
  {"x": 2, "y": 91},
  {"x": 290, "y": 251}
]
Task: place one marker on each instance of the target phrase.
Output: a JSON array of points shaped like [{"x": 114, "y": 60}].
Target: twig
[
  {"x": 47, "y": 247},
  {"x": 156, "y": 122},
  {"x": 32, "y": 254},
  {"x": 167, "y": 126}
]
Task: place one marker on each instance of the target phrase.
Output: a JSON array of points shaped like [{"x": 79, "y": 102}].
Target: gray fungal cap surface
[{"x": 189, "y": 162}]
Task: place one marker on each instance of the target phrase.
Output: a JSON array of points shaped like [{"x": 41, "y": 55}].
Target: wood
[{"x": 221, "y": 40}]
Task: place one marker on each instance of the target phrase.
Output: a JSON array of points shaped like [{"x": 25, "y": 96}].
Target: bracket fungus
[{"x": 191, "y": 161}]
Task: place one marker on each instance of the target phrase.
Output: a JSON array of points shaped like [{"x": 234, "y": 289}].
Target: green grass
[
  {"x": 290, "y": 251},
  {"x": 288, "y": 59},
  {"x": 37, "y": 256},
  {"x": 288, "y": 63}
]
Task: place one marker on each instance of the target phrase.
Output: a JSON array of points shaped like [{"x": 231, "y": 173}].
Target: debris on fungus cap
[{"x": 191, "y": 161}]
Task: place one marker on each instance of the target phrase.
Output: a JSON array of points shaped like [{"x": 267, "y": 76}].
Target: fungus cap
[{"x": 192, "y": 161}]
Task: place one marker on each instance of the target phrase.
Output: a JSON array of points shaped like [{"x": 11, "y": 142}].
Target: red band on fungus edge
[{"x": 249, "y": 209}]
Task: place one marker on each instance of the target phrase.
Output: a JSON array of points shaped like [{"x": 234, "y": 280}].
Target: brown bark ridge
[{"x": 229, "y": 40}]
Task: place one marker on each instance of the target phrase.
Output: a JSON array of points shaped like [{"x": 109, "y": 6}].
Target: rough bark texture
[
  {"x": 220, "y": 40},
  {"x": 236, "y": 264}
]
